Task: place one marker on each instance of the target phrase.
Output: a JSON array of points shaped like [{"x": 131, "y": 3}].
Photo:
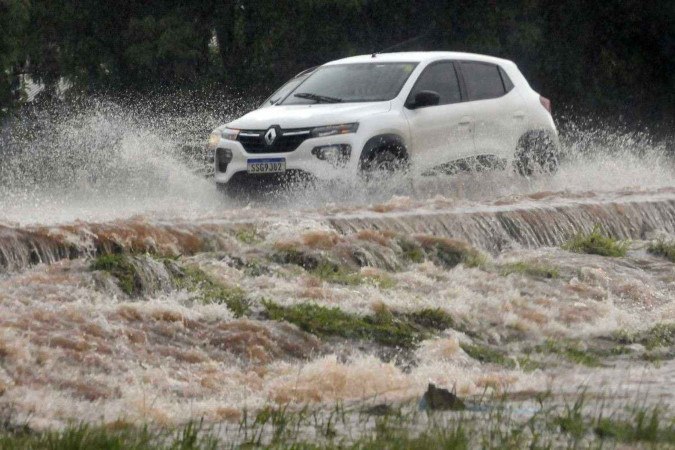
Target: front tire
[
  {"x": 536, "y": 153},
  {"x": 384, "y": 163}
]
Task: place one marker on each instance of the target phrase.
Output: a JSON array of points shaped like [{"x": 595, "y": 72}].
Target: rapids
[{"x": 77, "y": 343}]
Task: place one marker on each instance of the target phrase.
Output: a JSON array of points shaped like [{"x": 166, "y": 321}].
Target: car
[{"x": 418, "y": 112}]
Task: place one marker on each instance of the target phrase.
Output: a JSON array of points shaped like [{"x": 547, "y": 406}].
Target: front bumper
[{"x": 299, "y": 160}]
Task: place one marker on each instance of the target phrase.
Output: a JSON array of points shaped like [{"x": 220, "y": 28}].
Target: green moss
[
  {"x": 486, "y": 354},
  {"x": 384, "y": 328},
  {"x": 663, "y": 248},
  {"x": 120, "y": 267},
  {"x": 196, "y": 280},
  {"x": 597, "y": 243},
  {"x": 530, "y": 269}
]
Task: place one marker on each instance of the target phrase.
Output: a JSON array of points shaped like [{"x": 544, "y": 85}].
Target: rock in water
[{"x": 441, "y": 399}]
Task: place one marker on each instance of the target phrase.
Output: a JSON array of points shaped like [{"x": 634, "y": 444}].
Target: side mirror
[{"x": 424, "y": 99}]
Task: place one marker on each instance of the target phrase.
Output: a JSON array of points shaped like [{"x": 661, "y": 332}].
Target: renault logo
[{"x": 270, "y": 136}]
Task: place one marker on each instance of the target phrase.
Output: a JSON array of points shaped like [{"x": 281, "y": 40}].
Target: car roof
[{"x": 418, "y": 57}]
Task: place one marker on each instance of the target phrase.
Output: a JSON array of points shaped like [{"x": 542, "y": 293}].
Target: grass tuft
[
  {"x": 660, "y": 335},
  {"x": 570, "y": 351},
  {"x": 434, "y": 319},
  {"x": 530, "y": 269},
  {"x": 450, "y": 252},
  {"x": 488, "y": 355},
  {"x": 382, "y": 327},
  {"x": 196, "y": 280},
  {"x": 597, "y": 243},
  {"x": 663, "y": 248},
  {"x": 119, "y": 266}
]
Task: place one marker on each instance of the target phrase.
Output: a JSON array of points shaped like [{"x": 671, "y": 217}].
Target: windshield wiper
[{"x": 318, "y": 98}]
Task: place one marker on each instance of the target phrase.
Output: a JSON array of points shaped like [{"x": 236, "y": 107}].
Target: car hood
[{"x": 306, "y": 116}]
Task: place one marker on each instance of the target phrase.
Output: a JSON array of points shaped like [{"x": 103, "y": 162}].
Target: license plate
[{"x": 271, "y": 165}]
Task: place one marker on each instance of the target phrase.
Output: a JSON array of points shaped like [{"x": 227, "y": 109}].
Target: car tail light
[{"x": 546, "y": 103}]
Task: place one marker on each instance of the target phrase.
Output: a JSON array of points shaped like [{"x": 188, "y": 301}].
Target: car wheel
[
  {"x": 537, "y": 153},
  {"x": 384, "y": 163}
]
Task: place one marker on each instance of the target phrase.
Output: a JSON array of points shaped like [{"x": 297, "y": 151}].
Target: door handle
[{"x": 466, "y": 120}]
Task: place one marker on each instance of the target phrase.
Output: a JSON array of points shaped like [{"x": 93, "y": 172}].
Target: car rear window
[{"x": 483, "y": 80}]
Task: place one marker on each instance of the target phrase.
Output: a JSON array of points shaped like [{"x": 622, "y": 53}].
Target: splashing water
[{"x": 80, "y": 343}]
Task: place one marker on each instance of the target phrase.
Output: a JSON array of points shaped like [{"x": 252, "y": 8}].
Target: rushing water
[{"x": 75, "y": 345}]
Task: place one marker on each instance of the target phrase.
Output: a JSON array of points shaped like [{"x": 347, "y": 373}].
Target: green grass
[
  {"x": 644, "y": 426},
  {"x": 663, "y": 248},
  {"x": 411, "y": 250},
  {"x": 531, "y": 269},
  {"x": 570, "y": 351},
  {"x": 488, "y": 355},
  {"x": 660, "y": 335},
  {"x": 597, "y": 243},
  {"x": 450, "y": 252},
  {"x": 433, "y": 319},
  {"x": 492, "y": 425},
  {"x": 196, "y": 280},
  {"x": 335, "y": 273},
  {"x": 383, "y": 328},
  {"x": 248, "y": 235},
  {"x": 119, "y": 266}
]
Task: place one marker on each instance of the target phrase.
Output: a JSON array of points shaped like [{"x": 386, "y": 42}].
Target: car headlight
[
  {"x": 331, "y": 130},
  {"x": 214, "y": 140},
  {"x": 230, "y": 134}
]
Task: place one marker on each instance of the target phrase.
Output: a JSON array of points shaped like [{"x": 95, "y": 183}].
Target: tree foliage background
[{"x": 608, "y": 57}]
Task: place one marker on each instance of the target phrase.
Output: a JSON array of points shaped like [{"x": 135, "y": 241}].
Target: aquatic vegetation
[
  {"x": 335, "y": 273},
  {"x": 435, "y": 319},
  {"x": 486, "y": 354},
  {"x": 450, "y": 252},
  {"x": 597, "y": 243},
  {"x": 572, "y": 351},
  {"x": 660, "y": 335},
  {"x": 382, "y": 328},
  {"x": 208, "y": 290},
  {"x": 248, "y": 235},
  {"x": 490, "y": 423},
  {"x": 119, "y": 266},
  {"x": 663, "y": 248},
  {"x": 532, "y": 269}
]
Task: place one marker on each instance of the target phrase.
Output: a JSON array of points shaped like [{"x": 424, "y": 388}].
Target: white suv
[{"x": 422, "y": 112}]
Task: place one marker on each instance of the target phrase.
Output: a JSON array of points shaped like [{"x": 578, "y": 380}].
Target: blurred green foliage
[{"x": 615, "y": 57}]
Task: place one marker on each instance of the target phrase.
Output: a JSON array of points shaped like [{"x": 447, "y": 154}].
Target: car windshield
[
  {"x": 284, "y": 90},
  {"x": 369, "y": 82}
]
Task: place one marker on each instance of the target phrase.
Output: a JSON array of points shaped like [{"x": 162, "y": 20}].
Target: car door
[
  {"x": 499, "y": 110},
  {"x": 441, "y": 133}
]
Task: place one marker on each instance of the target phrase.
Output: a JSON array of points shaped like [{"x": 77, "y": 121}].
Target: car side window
[
  {"x": 440, "y": 78},
  {"x": 483, "y": 80},
  {"x": 508, "y": 84}
]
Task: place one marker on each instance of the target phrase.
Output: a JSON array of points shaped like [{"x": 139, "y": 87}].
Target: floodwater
[{"x": 74, "y": 345}]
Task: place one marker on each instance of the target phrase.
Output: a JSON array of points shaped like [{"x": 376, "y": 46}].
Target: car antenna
[{"x": 404, "y": 43}]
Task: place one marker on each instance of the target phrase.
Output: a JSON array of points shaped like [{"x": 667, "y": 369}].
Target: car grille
[{"x": 287, "y": 141}]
